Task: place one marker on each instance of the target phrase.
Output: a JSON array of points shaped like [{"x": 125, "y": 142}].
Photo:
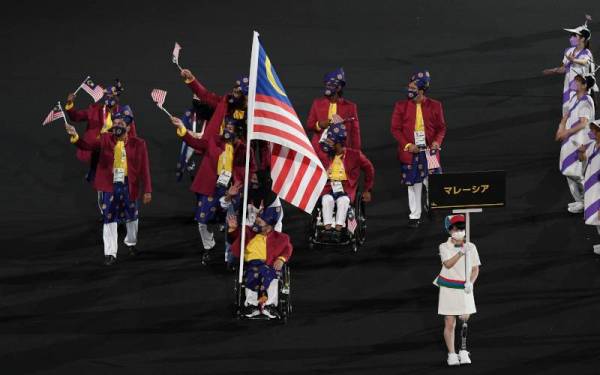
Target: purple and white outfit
[
  {"x": 569, "y": 165},
  {"x": 573, "y": 69}
]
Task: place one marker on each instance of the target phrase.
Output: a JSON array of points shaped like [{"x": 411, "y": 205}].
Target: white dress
[
  {"x": 592, "y": 185},
  {"x": 573, "y": 69},
  {"x": 453, "y": 301},
  {"x": 575, "y": 108}
]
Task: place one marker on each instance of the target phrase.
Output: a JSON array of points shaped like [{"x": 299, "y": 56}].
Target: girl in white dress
[
  {"x": 460, "y": 268},
  {"x": 589, "y": 154},
  {"x": 577, "y": 59}
]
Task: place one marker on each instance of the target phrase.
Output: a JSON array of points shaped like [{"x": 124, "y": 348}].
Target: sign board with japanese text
[{"x": 467, "y": 190}]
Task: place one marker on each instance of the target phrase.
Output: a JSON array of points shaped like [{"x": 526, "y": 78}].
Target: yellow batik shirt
[
  {"x": 256, "y": 248},
  {"x": 336, "y": 171},
  {"x": 120, "y": 161},
  {"x": 225, "y": 160}
]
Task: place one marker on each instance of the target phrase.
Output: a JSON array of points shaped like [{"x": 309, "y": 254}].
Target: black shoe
[
  {"x": 132, "y": 251},
  {"x": 413, "y": 223},
  {"x": 206, "y": 257},
  {"x": 109, "y": 260},
  {"x": 270, "y": 311}
]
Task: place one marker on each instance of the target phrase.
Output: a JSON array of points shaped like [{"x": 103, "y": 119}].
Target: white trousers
[
  {"x": 208, "y": 239},
  {"x": 576, "y": 188},
  {"x": 110, "y": 236},
  {"x": 328, "y": 204},
  {"x": 272, "y": 295},
  {"x": 415, "y": 205}
]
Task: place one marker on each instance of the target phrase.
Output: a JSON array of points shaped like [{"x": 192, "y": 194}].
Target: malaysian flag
[
  {"x": 176, "y": 50},
  {"x": 159, "y": 96},
  {"x": 95, "y": 91},
  {"x": 351, "y": 223},
  {"x": 54, "y": 115},
  {"x": 432, "y": 160},
  {"x": 297, "y": 173}
]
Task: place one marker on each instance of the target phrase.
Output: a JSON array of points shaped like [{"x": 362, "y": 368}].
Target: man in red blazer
[
  {"x": 233, "y": 104},
  {"x": 419, "y": 126},
  {"x": 334, "y": 108},
  {"x": 223, "y": 164},
  {"x": 343, "y": 166},
  {"x": 98, "y": 117},
  {"x": 122, "y": 167},
  {"x": 265, "y": 253}
]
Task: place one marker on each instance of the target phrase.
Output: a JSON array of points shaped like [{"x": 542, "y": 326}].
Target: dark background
[{"x": 374, "y": 312}]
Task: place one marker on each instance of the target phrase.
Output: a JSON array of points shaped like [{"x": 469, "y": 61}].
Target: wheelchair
[
  {"x": 284, "y": 304},
  {"x": 319, "y": 236}
]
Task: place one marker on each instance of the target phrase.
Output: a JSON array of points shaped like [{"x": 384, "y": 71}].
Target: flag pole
[
  {"x": 249, "y": 128},
  {"x": 79, "y": 88},
  {"x": 63, "y": 113}
]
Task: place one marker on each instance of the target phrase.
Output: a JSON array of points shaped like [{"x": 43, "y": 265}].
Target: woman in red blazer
[
  {"x": 210, "y": 184},
  {"x": 122, "y": 167},
  {"x": 419, "y": 126},
  {"x": 333, "y": 108}
]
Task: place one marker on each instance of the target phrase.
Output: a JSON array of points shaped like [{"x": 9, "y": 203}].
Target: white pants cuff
[
  {"x": 110, "y": 239},
  {"x": 576, "y": 188},
  {"x": 414, "y": 200},
  {"x": 132, "y": 232},
  {"x": 208, "y": 240},
  {"x": 342, "y": 203},
  {"x": 273, "y": 293},
  {"x": 251, "y": 298}
]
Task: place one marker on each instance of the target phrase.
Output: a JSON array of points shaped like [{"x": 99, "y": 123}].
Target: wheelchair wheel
[
  {"x": 361, "y": 219},
  {"x": 239, "y": 296},
  {"x": 285, "y": 295}
]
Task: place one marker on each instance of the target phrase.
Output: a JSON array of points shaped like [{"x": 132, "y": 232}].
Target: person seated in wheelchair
[
  {"x": 265, "y": 253},
  {"x": 343, "y": 167}
]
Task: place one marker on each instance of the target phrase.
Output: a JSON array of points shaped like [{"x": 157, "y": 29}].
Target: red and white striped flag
[
  {"x": 297, "y": 173},
  {"x": 54, "y": 115},
  {"x": 176, "y": 50},
  {"x": 352, "y": 224},
  {"x": 432, "y": 160},
  {"x": 95, "y": 91},
  {"x": 159, "y": 96}
]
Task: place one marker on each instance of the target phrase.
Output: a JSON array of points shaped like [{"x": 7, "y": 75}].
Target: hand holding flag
[
  {"x": 176, "y": 51},
  {"x": 159, "y": 96},
  {"x": 54, "y": 115}
]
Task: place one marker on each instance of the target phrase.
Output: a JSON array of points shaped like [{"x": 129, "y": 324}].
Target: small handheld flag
[
  {"x": 54, "y": 115},
  {"x": 176, "y": 51},
  {"x": 95, "y": 91},
  {"x": 159, "y": 97}
]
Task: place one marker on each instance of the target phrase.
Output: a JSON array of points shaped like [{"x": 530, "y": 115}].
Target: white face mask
[{"x": 459, "y": 235}]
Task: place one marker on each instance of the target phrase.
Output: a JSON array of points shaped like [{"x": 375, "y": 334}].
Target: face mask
[
  {"x": 573, "y": 86},
  {"x": 573, "y": 41},
  {"x": 119, "y": 131},
  {"x": 458, "y": 235},
  {"x": 110, "y": 101},
  {"x": 412, "y": 93},
  {"x": 256, "y": 228},
  {"x": 228, "y": 135},
  {"x": 327, "y": 148}
]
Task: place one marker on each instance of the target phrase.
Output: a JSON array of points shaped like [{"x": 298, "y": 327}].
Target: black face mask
[
  {"x": 237, "y": 103},
  {"x": 118, "y": 131},
  {"x": 203, "y": 111}
]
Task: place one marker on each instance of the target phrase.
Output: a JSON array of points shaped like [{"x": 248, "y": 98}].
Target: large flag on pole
[{"x": 297, "y": 173}]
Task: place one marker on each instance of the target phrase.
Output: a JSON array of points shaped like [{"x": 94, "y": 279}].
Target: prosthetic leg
[{"x": 463, "y": 354}]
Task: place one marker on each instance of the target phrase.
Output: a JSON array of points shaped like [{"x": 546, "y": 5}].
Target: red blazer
[
  {"x": 278, "y": 245},
  {"x": 93, "y": 116},
  {"x": 219, "y": 103},
  {"x": 206, "y": 178},
  {"x": 138, "y": 166},
  {"x": 403, "y": 125},
  {"x": 354, "y": 162},
  {"x": 345, "y": 109}
]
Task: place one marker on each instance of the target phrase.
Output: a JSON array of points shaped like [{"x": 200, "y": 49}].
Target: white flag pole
[
  {"x": 79, "y": 88},
  {"x": 249, "y": 129},
  {"x": 164, "y": 110},
  {"x": 63, "y": 113}
]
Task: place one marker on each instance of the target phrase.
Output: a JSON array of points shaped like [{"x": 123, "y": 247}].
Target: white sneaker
[
  {"x": 575, "y": 208},
  {"x": 597, "y": 249},
  {"x": 464, "y": 357},
  {"x": 571, "y": 204},
  {"x": 453, "y": 359}
]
